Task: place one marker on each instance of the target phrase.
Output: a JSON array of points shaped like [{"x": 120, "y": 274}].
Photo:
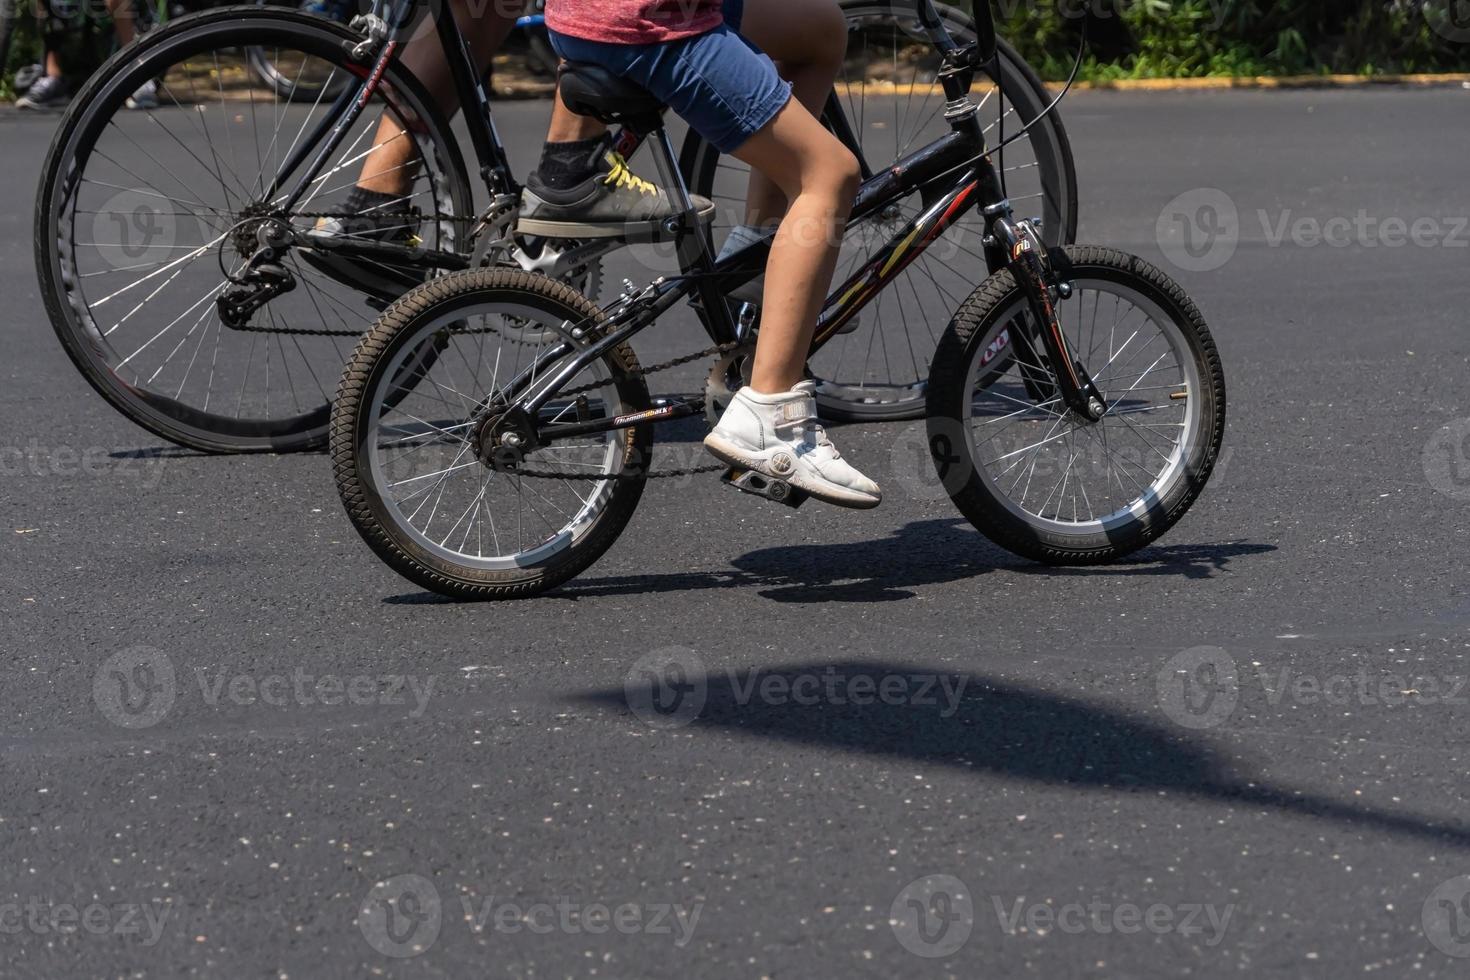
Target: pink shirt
[{"x": 633, "y": 21}]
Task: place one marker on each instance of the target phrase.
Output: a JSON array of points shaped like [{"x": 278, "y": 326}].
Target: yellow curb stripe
[{"x": 1187, "y": 84}]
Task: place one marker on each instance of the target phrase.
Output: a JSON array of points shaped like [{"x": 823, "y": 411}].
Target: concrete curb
[{"x": 1199, "y": 84}]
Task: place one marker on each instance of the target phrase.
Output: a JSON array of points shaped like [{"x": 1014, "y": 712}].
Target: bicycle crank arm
[{"x": 1029, "y": 262}]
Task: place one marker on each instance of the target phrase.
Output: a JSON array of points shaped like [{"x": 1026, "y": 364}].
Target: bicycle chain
[
  {"x": 641, "y": 374},
  {"x": 718, "y": 350}
]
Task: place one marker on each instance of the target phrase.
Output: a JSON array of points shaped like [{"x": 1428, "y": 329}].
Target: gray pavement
[{"x": 1037, "y": 781}]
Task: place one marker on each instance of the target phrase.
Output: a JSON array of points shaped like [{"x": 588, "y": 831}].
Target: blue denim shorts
[{"x": 719, "y": 83}]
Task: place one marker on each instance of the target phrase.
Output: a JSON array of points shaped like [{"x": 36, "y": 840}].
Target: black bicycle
[
  {"x": 149, "y": 225},
  {"x": 494, "y": 431}
]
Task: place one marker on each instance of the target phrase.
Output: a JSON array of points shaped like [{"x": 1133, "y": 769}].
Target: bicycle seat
[{"x": 591, "y": 90}]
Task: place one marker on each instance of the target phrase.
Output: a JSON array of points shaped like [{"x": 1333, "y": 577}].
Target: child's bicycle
[{"x": 493, "y": 433}]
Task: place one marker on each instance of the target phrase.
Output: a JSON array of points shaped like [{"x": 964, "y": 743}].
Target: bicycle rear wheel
[
  {"x": 142, "y": 212},
  {"x": 893, "y": 105},
  {"x": 1028, "y": 472},
  {"x": 411, "y": 452}
]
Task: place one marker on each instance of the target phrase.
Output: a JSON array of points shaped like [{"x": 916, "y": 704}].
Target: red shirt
[{"x": 633, "y": 21}]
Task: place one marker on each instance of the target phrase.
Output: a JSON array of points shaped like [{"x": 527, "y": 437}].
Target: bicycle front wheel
[
  {"x": 1028, "y": 472},
  {"x": 888, "y": 96},
  {"x": 144, "y": 215}
]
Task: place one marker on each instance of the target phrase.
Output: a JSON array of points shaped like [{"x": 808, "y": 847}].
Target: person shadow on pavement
[{"x": 906, "y": 713}]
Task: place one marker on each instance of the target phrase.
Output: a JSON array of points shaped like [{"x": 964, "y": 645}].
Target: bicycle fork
[{"x": 1042, "y": 275}]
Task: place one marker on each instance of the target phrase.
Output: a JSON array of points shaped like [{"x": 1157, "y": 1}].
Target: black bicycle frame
[{"x": 954, "y": 173}]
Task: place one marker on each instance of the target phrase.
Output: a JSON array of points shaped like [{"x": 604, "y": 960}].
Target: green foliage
[{"x": 1192, "y": 38}]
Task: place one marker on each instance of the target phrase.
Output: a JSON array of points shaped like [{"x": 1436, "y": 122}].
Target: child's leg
[
  {"x": 819, "y": 176},
  {"x": 807, "y": 39}
]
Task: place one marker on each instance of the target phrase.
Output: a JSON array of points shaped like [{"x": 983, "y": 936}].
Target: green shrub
[{"x": 1190, "y": 38}]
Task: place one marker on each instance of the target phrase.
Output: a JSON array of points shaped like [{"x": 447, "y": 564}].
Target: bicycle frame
[{"x": 930, "y": 171}]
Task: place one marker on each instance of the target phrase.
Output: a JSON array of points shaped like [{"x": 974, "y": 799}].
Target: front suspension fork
[{"x": 1030, "y": 263}]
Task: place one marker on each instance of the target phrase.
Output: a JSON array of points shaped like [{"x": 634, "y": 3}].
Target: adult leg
[{"x": 389, "y": 168}]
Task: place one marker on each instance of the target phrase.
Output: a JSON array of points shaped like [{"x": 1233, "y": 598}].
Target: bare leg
[
  {"x": 122, "y": 13},
  {"x": 389, "y": 168},
  {"x": 819, "y": 176},
  {"x": 807, "y": 39}
]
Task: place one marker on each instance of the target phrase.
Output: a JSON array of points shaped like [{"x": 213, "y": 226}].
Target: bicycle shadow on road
[
  {"x": 976, "y": 723},
  {"x": 921, "y": 553}
]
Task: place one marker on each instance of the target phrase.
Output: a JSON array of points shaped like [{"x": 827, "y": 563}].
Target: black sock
[
  {"x": 360, "y": 200},
  {"x": 565, "y": 165}
]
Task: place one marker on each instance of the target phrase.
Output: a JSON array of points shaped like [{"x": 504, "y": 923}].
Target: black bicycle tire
[
  {"x": 350, "y": 428},
  {"x": 947, "y": 397},
  {"x": 311, "y": 434}
]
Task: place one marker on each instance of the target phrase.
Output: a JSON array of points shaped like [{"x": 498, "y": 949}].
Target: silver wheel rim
[
  {"x": 436, "y": 492},
  {"x": 144, "y": 298},
  {"x": 1061, "y": 475}
]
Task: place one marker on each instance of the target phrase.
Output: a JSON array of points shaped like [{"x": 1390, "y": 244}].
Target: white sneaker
[
  {"x": 146, "y": 97},
  {"x": 778, "y": 436}
]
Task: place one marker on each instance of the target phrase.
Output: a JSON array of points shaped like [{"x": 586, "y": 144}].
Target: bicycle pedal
[{"x": 749, "y": 481}]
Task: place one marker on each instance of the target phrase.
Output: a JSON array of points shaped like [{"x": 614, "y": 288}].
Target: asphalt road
[{"x": 328, "y": 727}]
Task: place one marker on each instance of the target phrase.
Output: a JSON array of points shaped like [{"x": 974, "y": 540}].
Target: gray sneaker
[
  {"x": 46, "y": 93},
  {"x": 614, "y": 203}
]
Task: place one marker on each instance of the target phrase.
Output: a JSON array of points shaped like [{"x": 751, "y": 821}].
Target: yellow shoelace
[{"x": 621, "y": 176}]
